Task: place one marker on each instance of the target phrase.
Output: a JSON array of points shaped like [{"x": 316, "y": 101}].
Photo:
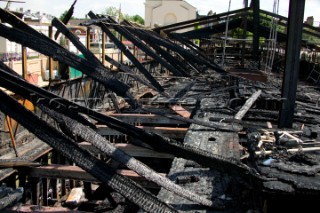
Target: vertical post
[
  {"x": 103, "y": 47},
  {"x": 88, "y": 38},
  {"x": 135, "y": 51},
  {"x": 45, "y": 182},
  {"x": 244, "y": 35},
  {"x": 53, "y": 182},
  {"x": 225, "y": 36},
  {"x": 121, "y": 55},
  {"x": 35, "y": 190},
  {"x": 24, "y": 62},
  {"x": 50, "y": 59},
  {"x": 291, "y": 73},
  {"x": 256, "y": 24},
  {"x": 87, "y": 190}
]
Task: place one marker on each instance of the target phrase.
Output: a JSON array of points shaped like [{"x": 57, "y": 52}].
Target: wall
[{"x": 162, "y": 13}]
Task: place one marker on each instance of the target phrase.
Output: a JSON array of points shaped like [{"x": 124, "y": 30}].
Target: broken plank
[
  {"x": 180, "y": 111},
  {"x": 244, "y": 109}
]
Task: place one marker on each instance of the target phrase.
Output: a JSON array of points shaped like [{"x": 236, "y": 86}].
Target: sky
[{"x": 133, "y": 7}]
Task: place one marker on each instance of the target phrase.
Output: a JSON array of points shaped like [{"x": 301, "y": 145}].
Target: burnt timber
[{"x": 176, "y": 132}]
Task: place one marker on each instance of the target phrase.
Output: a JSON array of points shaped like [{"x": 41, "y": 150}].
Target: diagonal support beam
[
  {"x": 145, "y": 48},
  {"x": 130, "y": 56}
]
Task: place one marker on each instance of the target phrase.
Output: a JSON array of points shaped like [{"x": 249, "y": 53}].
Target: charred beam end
[
  {"x": 36, "y": 42},
  {"x": 130, "y": 56},
  {"x": 84, "y": 159},
  {"x": 66, "y": 18},
  {"x": 75, "y": 40},
  {"x": 145, "y": 48},
  {"x": 128, "y": 71}
]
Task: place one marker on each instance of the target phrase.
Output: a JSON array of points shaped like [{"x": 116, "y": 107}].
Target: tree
[
  {"x": 64, "y": 14},
  {"x": 115, "y": 13},
  {"x": 136, "y": 18}
]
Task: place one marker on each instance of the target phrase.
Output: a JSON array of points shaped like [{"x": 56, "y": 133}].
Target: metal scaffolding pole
[
  {"x": 256, "y": 24},
  {"x": 290, "y": 80}
]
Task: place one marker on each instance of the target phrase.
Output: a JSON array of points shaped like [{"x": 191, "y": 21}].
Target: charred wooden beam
[
  {"x": 165, "y": 54},
  {"x": 75, "y": 40},
  {"x": 146, "y": 119},
  {"x": 76, "y": 173},
  {"x": 66, "y": 18},
  {"x": 245, "y": 108},
  {"x": 145, "y": 48},
  {"x": 82, "y": 158},
  {"x": 216, "y": 126},
  {"x": 107, "y": 148},
  {"x": 8, "y": 163},
  {"x": 171, "y": 132},
  {"x": 182, "y": 67},
  {"x": 40, "y": 96},
  {"x": 11, "y": 198},
  {"x": 31, "y": 38},
  {"x": 134, "y": 151},
  {"x": 128, "y": 72},
  {"x": 198, "y": 21},
  {"x": 130, "y": 56},
  {"x": 190, "y": 57}
]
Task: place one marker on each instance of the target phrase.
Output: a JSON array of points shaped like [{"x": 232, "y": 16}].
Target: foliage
[
  {"x": 136, "y": 18},
  {"x": 115, "y": 13},
  {"x": 64, "y": 14}
]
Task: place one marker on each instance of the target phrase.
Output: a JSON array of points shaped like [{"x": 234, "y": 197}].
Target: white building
[
  {"x": 38, "y": 21},
  {"x": 165, "y": 12}
]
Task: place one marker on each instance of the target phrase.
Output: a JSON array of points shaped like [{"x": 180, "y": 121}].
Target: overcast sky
[{"x": 132, "y": 7}]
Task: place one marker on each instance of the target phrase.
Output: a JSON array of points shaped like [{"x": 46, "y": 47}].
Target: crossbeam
[
  {"x": 170, "y": 132},
  {"x": 76, "y": 173},
  {"x": 132, "y": 150}
]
